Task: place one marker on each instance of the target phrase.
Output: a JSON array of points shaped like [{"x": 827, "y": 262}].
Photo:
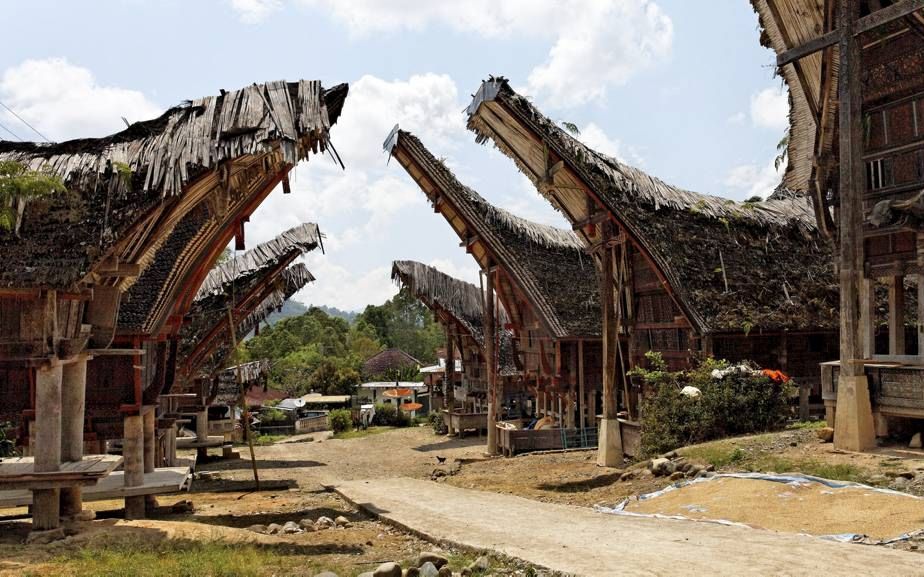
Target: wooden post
[
  {"x": 609, "y": 449},
  {"x": 582, "y": 395},
  {"x": 46, "y": 502},
  {"x": 490, "y": 333},
  {"x": 449, "y": 388},
  {"x": 868, "y": 317},
  {"x": 148, "y": 424},
  {"x": 897, "y": 315},
  {"x": 73, "y": 402},
  {"x": 920, "y": 317},
  {"x": 202, "y": 433},
  {"x": 133, "y": 463},
  {"x": 853, "y": 426}
]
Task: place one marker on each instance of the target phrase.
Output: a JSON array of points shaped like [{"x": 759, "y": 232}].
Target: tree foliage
[{"x": 317, "y": 352}]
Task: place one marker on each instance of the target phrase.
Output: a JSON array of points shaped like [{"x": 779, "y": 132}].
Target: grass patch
[
  {"x": 264, "y": 440},
  {"x": 720, "y": 454},
  {"x": 806, "y": 425},
  {"x": 174, "y": 559},
  {"x": 360, "y": 433}
]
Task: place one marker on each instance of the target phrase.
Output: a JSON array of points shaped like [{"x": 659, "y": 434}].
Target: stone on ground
[
  {"x": 661, "y": 466},
  {"x": 428, "y": 570},
  {"x": 257, "y": 528},
  {"x": 826, "y": 434},
  {"x": 306, "y": 524},
  {"x": 445, "y": 571},
  {"x": 326, "y": 574},
  {"x": 324, "y": 523},
  {"x": 291, "y": 527},
  {"x": 342, "y": 521},
  {"x": 387, "y": 570},
  {"x": 431, "y": 557},
  {"x": 915, "y": 441},
  {"x": 45, "y": 537},
  {"x": 273, "y": 528}
]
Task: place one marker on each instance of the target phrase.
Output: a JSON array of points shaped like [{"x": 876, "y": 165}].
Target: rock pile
[
  {"x": 675, "y": 468},
  {"x": 427, "y": 564},
  {"x": 306, "y": 525}
]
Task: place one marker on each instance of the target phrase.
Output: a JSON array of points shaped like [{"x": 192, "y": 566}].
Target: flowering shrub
[{"x": 733, "y": 400}]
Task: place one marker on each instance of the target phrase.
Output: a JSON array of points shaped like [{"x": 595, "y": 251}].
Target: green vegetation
[
  {"x": 341, "y": 420},
  {"x": 748, "y": 454},
  {"x": 360, "y": 433},
  {"x": 732, "y": 401},
  {"x": 317, "y": 352},
  {"x": 390, "y": 416},
  {"x": 17, "y": 184}
]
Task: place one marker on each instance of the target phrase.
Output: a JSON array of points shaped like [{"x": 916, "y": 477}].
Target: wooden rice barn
[
  {"x": 547, "y": 285},
  {"x": 97, "y": 280},
  {"x": 855, "y": 71},
  {"x": 687, "y": 273},
  {"x": 236, "y": 295},
  {"x": 458, "y": 307}
]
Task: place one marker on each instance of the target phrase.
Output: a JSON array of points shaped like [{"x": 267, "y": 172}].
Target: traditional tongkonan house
[
  {"x": 686, "y": 273},
  {"x": 546, "y": 283},
  {"x": 108, "y": 269},
  {"x": 233, "y": 292},
  {"x": 855, "y": 71},
  {"x": 458, "y": 307}
]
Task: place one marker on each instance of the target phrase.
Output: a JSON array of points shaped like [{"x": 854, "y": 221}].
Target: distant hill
[
  {"x": 290, "y": 308},
  {"x": 348, "y": 316}
]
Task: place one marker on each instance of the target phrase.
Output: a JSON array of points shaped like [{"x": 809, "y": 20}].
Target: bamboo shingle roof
[
  {"x": 547, "y": 263},
  {"x": 734, "y": 266}
]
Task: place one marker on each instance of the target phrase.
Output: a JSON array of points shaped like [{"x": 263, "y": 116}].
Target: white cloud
[
  {"x": 467, "y": 272},
  {"x": 594, "y": 137},
  {"x": 254, "y": 11},
  {"x": 64, "y": 101},
  {"x": 595, "y": 44},
  {"x": 737, "y": 118},
  {"x": 754, "y": 180},
  {"x": 345, "y": 289},
  {"x": 770, "y": 108}
]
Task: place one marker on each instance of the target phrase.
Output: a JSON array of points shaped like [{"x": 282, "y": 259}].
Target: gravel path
[{"x": 580, "y": 541}]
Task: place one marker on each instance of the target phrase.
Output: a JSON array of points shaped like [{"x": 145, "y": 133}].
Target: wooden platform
[
  {"x": 162, "y": 481},
  {"x": 193, "y": 443},
  {"x": 19, "y": 472}
]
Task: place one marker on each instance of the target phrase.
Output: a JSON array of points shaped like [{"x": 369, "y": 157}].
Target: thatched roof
[
  {"x": 461, "y": 301},
  {"x": 300, "y": 239},
  {"x": 778, "y": 270},
  {"x": 122, "y": 190},
  {"x": 227, "y": 388},
  {"x": 546, "y": 263},
  {"x": 252, "y": 285}
]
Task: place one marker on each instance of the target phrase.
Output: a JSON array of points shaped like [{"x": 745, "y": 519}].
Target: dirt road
[{"x": 580, "y": 541}]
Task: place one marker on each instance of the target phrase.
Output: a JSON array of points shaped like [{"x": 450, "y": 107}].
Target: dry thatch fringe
[
  {"x": 201, "y": 133},
  {"x": 462, "y": 299},
  {"x": 294, "y": 279},
  {"x": 249, "y": 372},
  {"x": 303, "y": 238},
  {"x": 632, "y": 185}
]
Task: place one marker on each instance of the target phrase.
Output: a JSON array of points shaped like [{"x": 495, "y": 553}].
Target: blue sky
[{"x": 681, "y": 89}]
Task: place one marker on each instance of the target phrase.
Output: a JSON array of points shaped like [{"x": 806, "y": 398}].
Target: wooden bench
[{"x": 19, "y": 472}]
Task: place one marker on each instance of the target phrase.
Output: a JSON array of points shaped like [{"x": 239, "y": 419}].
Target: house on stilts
[
  {"x": 855, "y": 72},
  {"x": 458, "y": 307},
  {"x": 687, "y": 274},
  {"x": 98, "y": 279},
  {"x": 234, "y": 297},
  {"x": 548, "y": 288}
]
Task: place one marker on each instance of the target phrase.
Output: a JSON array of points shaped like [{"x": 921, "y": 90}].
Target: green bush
[
  {"x": 436, "y": 421},
  {"x": 388, "y": 415},
  {"x": 733, "y": 400},
  {"x": 341, "y": 420}
]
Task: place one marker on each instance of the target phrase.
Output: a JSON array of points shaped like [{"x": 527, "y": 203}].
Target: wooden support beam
[
  {"x": 581, "y": 392},
  {"x": 47, "y": 433},
  {"x": 73, "y": 402},
  {"x": 609, "y": 451},
  {"x": 133, "y": 462},
  {"x": 490, "y": 334},
  {"x": 867, "y": 23},
  {"x": 897, "y": 315}
]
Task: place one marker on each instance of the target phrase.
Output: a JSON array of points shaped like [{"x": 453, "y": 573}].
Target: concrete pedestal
[
  {"x": 133, "y": 463},
  {"x": 609, "y": 446},
  {"x": 73, "y": 397},
  {"x": 853, "y": 424},
  {"x": 47, "y": 434}
]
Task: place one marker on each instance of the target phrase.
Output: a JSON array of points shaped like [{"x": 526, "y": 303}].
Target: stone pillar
[
  {"x": 133, "y": 464},
  {"x": 73, "y": 402},
  {"x": 47, "y": 433},
  {"x": 202, "y": 433},
  {"x": 149, "y": 423}
]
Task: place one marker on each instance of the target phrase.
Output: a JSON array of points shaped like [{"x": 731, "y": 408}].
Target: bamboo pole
[{"x": 242, "y": 401}]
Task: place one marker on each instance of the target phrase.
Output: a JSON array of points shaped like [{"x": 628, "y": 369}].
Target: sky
[{"x": 680, "y": 89}]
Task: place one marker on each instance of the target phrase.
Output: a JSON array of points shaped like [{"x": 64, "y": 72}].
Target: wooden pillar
[
  {"x": 868, "y": 317},
  {"x": 449, "y": 388},
  {"x": 47, "y": 429},
  {"x": 133, "y": 464},
  {"x": 582, "y": 394},
  {"x": 73, "y": 402},
  {"x": 170, "y": 448},
  {"x": 202, "y": 433},
  {"x": 150, "y": 438},
  {"x": 853, "y": 426},
  {"x": 609, "y": 449},
  {"x": 490, "y": 333},
  {"x": 897, "y": 315}
]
